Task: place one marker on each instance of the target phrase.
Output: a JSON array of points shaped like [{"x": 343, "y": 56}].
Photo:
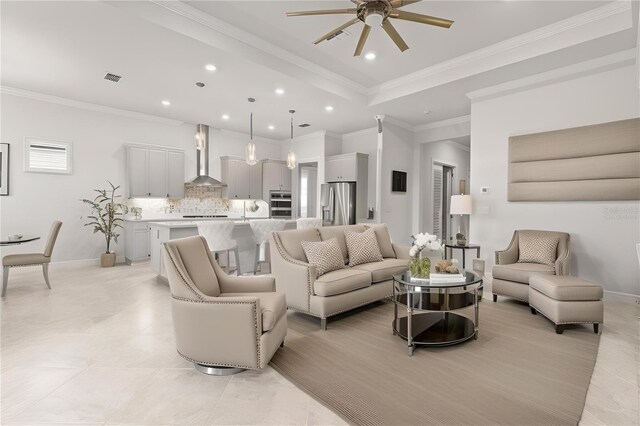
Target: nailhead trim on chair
[
  {"x": 28, "y": 264},
  {"x": 184, "y": 281},
  {"x": 287, "y": 258},
  {"x": 218, "y": 364}
]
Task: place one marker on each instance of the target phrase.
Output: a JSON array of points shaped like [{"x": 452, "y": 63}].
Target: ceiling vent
[
  {"x": 112, "y": 77},
  {"x": 340, "y": 35},
  {"x": 304, "y": 125}
]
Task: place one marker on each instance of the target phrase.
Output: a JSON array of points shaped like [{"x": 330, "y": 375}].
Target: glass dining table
[{"x": 14, "y": 240}]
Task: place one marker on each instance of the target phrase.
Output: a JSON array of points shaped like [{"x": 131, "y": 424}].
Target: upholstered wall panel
[{"x": 591, "y": 163}]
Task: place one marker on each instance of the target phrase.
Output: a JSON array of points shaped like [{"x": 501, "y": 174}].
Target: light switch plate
[{"x": 485, "y": 190}]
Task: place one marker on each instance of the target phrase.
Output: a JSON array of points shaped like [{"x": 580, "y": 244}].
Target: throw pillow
[
  {"x": 326, "y": 256},
  {"x": 384, "y": 240},
  {"x": 363, "y": 247},
  {"x": 537, "y": 249}
]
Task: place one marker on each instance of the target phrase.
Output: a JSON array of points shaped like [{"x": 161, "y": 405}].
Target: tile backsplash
[{"x": 201, "y": 200}]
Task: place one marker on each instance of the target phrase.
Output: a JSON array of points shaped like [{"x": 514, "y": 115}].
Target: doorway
[
  {"x": 308, "y": 190},
  {"x": 442, "y": 187}
]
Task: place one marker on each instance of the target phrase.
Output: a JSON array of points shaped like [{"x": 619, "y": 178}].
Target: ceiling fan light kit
[{"x": 376, "y": 13}]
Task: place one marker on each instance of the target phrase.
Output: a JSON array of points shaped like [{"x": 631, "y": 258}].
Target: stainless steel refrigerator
[{"x": 338, "y": 200}]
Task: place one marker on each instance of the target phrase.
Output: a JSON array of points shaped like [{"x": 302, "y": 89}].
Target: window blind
[{"x": 45, "y": 156}]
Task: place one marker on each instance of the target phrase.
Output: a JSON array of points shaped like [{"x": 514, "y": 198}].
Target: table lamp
[{"x": 462, "y": 205}]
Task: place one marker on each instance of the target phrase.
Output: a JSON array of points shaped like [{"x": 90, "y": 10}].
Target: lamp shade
[{"x": 461, "y": 204}]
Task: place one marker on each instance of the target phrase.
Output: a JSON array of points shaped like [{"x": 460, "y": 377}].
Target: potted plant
[
  {"x": 419, "y": 266},
  {"x": 106, "y": 218}
]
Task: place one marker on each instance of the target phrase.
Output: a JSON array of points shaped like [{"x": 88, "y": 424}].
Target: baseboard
[
  {"x": 618, "y": 293},
  {"x": 83, "y": 262}
]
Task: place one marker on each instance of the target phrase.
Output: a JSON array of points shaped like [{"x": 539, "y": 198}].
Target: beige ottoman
[{"x": 566, "y": 300}]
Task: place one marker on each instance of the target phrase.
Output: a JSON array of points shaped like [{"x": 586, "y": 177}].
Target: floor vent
[
  {"x": 304, "y": 125},
  {"x": 112, "y": 77}
]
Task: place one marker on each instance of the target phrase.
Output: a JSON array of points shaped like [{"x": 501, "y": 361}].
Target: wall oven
[{"x": 280, "y": 205}]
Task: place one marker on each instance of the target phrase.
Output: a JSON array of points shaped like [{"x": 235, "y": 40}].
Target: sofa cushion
[
  {"x": 362, "y": 247},
  {"x": 536, "y": 248},
  {"x": 384, "y": 240},
  {"x": 324, "y": 255},
  {"x": 291, "y": 241},
  {"x": 566, "y": 287},
  {"x": 273, "y": 306},
  {"x": 521, "y": 272},
  {"x": 341, "y": 281},
  {"x": 337, "y": 232},
  {"x": 385, "y": 270}
]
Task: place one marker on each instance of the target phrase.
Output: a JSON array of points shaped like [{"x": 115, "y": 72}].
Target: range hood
[{"x": 202, "y": 159}]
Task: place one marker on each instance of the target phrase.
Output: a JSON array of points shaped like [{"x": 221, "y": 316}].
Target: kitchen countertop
[
  {"x": 179, "y": 218},
  {"x": 176, "y": 224}
]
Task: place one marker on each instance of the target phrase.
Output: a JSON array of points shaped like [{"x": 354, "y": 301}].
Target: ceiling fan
[{"x": 376, "y": 13}]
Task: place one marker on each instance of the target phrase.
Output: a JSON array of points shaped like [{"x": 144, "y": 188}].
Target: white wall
[
  {"x": 98, "y": 155},
  {"x": 366, "y": 142},
  {"x": 603, "y": 234},
  {"x": 308, "y": 148},
  {"x": 448, "y": 153}
]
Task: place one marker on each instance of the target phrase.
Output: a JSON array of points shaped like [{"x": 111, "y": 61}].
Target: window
[{"x": 41, "y": 156}]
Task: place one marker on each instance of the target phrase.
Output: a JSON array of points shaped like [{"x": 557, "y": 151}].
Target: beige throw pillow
[
  {"x": 326, "y": 256},
  {"x": 537, "y": 249},
  {"x": 384, "y": 240},
  {"x": 363, "y": 247}
]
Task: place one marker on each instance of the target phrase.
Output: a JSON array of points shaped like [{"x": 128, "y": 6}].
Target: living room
[{"x": 451, "y": 135}]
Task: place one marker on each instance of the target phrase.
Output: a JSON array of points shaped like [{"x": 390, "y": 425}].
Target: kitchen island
[{"x": 161, "y": 232}]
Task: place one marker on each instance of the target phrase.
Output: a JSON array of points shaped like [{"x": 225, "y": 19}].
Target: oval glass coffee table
[{"x": 429, "y": 304}]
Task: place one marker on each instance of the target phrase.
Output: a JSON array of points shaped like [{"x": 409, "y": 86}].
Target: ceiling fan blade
[
  {"x": 332, "y": 32},
  {"x": 323, "y": 12},
  {"x": 423, "y": 19},
  {"x": 390, "y": 29},
  {"x": 400, "y": 3},
  {"x": 363, "y": 39}
]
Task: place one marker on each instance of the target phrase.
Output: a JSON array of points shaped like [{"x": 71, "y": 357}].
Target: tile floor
[{"x": 99, "y": 349}]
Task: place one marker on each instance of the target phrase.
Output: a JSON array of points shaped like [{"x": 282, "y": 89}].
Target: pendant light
[
  {"x": 250, "y": 154},
  {"x": 291, "y": 157}
]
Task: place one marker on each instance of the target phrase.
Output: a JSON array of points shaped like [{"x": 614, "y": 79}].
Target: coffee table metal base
[{"x": 436, "y": 329}]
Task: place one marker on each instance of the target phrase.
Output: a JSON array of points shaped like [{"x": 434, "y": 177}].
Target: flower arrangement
[{"x": 421, "y": 267}]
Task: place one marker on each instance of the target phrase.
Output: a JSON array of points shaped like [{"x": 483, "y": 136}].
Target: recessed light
[
  {"x": 279, "y": 91},
  {"x": 328, "y": 108},
  {"x": 210, "y": 67},
  {"x": 200, "y": 84},
  {"x": 271, "y": 127},
  {"x": 166, "y": 103},
  {"x": 370, "y": 56},
  {"x": 225, "y": 117},
  {"x": 427, "y": 111}
]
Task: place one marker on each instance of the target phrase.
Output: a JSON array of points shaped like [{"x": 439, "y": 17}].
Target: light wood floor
[{"x": 99, "y": 349}]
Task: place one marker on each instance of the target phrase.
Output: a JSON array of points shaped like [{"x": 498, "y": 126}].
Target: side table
[{"x": 451, "y": 246}]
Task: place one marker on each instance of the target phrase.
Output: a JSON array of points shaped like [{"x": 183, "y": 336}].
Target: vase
[
  {"x": 107, "y": 260},
  {"x": 420, "y": 267}
]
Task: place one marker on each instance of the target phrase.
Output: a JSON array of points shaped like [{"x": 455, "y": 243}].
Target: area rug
[{"x": 518, "y": 372}]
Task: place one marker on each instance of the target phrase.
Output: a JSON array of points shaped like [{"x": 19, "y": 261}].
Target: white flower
[{"x": 413, "y": 251}]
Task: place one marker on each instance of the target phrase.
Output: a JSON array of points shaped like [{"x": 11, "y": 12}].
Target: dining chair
[
  {"x": 218, "y": 234},
  {"x": 31, "y": 259}
]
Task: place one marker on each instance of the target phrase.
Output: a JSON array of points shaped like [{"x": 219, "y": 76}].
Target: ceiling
[{"x": 160, "y": 49}]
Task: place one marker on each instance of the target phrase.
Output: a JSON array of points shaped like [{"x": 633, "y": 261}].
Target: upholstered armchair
[
  {"x": 223, "y": 324},
  {"x": 511, "y": 278}
]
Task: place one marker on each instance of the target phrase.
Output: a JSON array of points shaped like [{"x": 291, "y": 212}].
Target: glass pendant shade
[
  {"x": 291, "y": 157},
  {"x": 250, "y": 152},
  {"x": 291, "y": 160}
]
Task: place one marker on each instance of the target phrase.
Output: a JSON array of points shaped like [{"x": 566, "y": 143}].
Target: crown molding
[
  {"x": 312, "y": 72},
  {"x": 399, "y": 123},
  {"x": 458, "y": 145},
  {"x": 464, "y": 119},
  {"x": 13, "y": 91},
  {"x": 603, "y": 63},
  {"x": 602, "y": 21}
]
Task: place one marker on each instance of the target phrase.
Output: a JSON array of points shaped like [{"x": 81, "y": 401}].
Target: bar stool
[
  {"x": 308, "y": 222},
  {"x": 218, "y": 236},
  {"x": 262, "y": 229}
]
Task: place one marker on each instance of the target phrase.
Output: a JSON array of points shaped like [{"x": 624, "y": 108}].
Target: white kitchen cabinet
[
  {"x": 137, "y": 171},
  {"x": 136, "y": 236},
  {"x": 158, "y": 172},
  {"x": 352, "y": 167},
  {"x": 175, "y": 174},
  {"x": 276, "y": 176},
  {"x": 244, "y": 182},
  {"x": 155, "y": 172}
]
